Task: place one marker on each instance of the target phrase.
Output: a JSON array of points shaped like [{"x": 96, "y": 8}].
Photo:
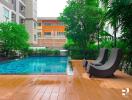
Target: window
[
  {"x": 35, "y": 37},
  {"x": 14, "y": 4},
  {"x": 13, "y": 17},
  {"x": 39, "y": 24},
  {"x": 47, "y": 34},
  {"x": 53, "y": 24},
  {"x": 61, "y": 24},
  {"x": 47, "y": 24},
  {"x": 34, "y": 24},
  {"x": 39, "y": 34},
  {"x": 60, "y": 34},
  {"x": 6, "y": 14},
  {"x": 21, "y": 20},
  {"x": 21, "y": 8}
]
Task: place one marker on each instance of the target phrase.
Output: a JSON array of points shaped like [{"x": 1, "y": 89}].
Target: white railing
[{"x": 53, "y": 37}]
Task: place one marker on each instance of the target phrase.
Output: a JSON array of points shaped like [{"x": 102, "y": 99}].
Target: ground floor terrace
[{"x": 63, "y": 87}]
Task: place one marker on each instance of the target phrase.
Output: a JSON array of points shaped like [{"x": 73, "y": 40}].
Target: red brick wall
[{"x": 52, "y": 43}]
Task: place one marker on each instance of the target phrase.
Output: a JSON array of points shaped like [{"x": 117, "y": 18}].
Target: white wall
[
  {"x": 35, "y": 9},
  {"x": 18, "y": 15}
]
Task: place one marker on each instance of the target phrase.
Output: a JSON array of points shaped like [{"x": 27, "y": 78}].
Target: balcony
[
  {"x": 13, "y": 17},
  {"x": 14, "y": 4},
  {"x": 21, "y": 20},
  {"x": 21, "y": 9},
  {"x": 53, "y": 37}
]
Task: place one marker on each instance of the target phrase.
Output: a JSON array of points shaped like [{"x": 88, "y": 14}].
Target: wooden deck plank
[
  {"x": 40, "y": 93},
  {"x": 64, "y": 87},
  {"x": 47, "y": 94},
  {"x": 55, "y": 93},
  {"x": 62, "y": 92}
]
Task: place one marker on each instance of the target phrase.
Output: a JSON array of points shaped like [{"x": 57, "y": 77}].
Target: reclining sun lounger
[
  {"x": 103, "y": 54},
  {"x": 108, "y": 69}
]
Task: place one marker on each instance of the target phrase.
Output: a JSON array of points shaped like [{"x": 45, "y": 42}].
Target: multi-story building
[
  {"x": 21, "y": 12},
  {"x": 31, "y": 19},
  {"x": 12, "y": 10},
  {"x": 50, "y": 33}
]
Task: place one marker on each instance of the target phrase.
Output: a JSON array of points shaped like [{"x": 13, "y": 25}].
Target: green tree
[
  {"x": 13, "y": 37},
  {"x": 81, "y": 18},
  {"x": 119, "y": 13}
]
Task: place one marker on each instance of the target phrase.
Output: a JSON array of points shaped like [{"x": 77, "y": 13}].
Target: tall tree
[
  {"x": 120, "y": 11},
  {"x": 117, "y": 13},
  {"x": 81, "y": 18}
]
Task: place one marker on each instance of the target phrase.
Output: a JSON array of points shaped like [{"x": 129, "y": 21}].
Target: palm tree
[
  {"x": 114, "y": 13},
  {"x": 119, "y": 13}
]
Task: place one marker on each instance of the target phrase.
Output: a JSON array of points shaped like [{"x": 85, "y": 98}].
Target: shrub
[
  {"x": 81, "y": 54},
  {"x": 13, "y": 37},
  {"x": 106, "y": 44},
  {"x": 43, "y": 52}
]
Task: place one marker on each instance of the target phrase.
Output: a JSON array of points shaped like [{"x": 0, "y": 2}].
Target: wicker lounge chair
[{"x": 108, "y": 69}]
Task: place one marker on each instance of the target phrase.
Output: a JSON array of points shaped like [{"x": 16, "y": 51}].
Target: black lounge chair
[
  {"x": 108, "y": 69},
  {"x": 103, "y": 54}
]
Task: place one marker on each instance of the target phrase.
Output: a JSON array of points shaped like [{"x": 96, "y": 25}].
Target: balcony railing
[
  {"x": 22, "y": 9},
  {"x": 52, "y": 37}
]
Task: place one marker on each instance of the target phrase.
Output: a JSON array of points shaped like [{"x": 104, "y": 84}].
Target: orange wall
[{"x": 53, "y": 28}]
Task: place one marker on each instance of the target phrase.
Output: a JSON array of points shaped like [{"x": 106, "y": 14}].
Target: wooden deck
[{"x": 63, "y": 87}]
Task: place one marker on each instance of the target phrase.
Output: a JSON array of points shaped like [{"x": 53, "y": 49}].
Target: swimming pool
[{"x": 36, "y": 65}]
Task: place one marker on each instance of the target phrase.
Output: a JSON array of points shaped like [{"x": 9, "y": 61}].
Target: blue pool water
[{"x": 35, "y": 65}]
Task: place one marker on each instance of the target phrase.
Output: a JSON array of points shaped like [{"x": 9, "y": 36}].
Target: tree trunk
[
  {"x": 115, "y": 30},
  {"x": 7, "y": 53}
]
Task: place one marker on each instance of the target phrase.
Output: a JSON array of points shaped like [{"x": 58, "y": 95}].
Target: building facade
[
  {"x": 21, "y": 12},
  {"x": 50, "y": 33},
  {"x": 12, "y": 10},
  {"x": 31, "y": 19}
]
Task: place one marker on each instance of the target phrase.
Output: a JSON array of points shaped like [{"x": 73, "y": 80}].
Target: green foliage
[
  {"x": 121, "y": 44},
  {"x": 109, "y": 44},
  {"x": 126, "y": 21},
  {"x": 130, "y": 71},
  {"x": 13, "y": 37},
  {"x": 43, "y": 52},
  {"x": 81, "y": 19},
  {"x": 106, "y": 44},
  {"x": 81, "y": 54},
  {"x": 119, "y": 13}
]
